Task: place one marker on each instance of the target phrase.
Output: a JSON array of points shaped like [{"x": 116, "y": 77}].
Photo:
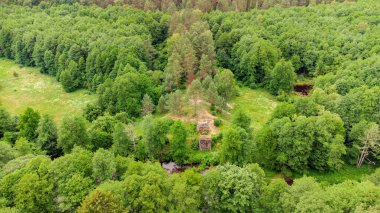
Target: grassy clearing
[
  {"x": 347, "y": 172},
  {"x": 258, "y": 104},
  {"x": 27, "y": 87}
]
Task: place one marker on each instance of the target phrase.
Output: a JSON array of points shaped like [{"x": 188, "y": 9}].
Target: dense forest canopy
[
  {"x": 173, "y": 5},
  {"x": 158, "y": 66}
]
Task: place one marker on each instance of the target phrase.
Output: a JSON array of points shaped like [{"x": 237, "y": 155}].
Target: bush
[{"x": 217, "y": 122}]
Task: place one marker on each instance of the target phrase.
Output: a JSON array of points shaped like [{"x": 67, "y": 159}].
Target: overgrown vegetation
[{"x": 208, "y": 94}]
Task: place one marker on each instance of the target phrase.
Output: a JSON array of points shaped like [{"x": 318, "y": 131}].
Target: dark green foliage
[
  {"x": 315, "y": 142},
  {"x": 125, "y": 94},
  {"x": 100, "y": 133},
  {"x": 6, "y": 122},
  {"x": 92, "y": 112},
  {"x": 282, "y": 78},
  {"x": 155, "y": 136},
  {"x": 48, "y": 136}
]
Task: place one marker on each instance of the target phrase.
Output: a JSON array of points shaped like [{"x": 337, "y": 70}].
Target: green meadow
[{"x": 22, "y": 87}]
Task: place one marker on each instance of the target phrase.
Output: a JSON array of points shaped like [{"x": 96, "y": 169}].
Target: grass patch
[
  {"x": 258, "y": 104},
  {"x": 347, "y": 172},
  {"x": 27, "y": 87}
]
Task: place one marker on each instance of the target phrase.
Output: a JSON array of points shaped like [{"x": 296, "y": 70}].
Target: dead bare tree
[{"x": 370, "y": 144}]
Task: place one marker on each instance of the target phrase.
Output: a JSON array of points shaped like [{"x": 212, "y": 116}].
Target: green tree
[
  {"x": 29, "y": 124},
  {"x": 242, "y": 120},
  {"x": 70, "y": 77},
  {"x": 225, "y": 82},
  {"x": 146, "y": 188},
  {"x": 194, "y": 94},
  {"x": 272, "y": 193},
  {"x": 33, "y": 194},
  {"x": 370, "y": 144},
  {"x": 73, "y": 191},
  {"x": 48, "y": 136},
  {"x": 6, "y": 123},
  {"x": 147, "y": 105},
  {"x": 72, "y": 132},
  {"x": 122, "y": 143},
  {"x": 185, "y": 194},
  {"x": 7, "y": 153},
  {"x": 161, "y": 106},
  {"x": 104, "y": 166},
  {"x": 178, "y": 142},
  {"x": 24, "y": 147},
  {"x": 99, "y": 201},
  {"x": 231, "y": 188},
  {"x": 236, "y": 146},
  {"x": 155, "y": 136},
  {"x": 328, "y": 147},
  {"x": 100, "y": 132},
  {"x": 282, "y": 77},
  {"x": 175, "y": 103}
]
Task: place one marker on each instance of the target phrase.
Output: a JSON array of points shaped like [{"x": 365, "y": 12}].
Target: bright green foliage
[
  {"x": 328, "y": 147},
  {"x": 7, "y": 153},
  {"x": 242, "y": 120},
  {"x": 103, "y": 164},
  {"x": 122, "y": 143},
  {"x": 272, "y": 193},
  {"x": 29, "y": 124},
  {"x": 178, "y": 142},
  {"x": 359, "y": 104},
  {"x": 225, "y": 83},
  {"x": 282, "y": 77},
  {"x": 185, "y": 195},
  {"x": 79, "y": 161},
  {"x": 155, "y": 136},
  {"x": 236, "y": 146},
  {"x": 48, "y": 136},
  {"x": 99, "y": 201},
  {"x": 74, "y": 191},
  {"x": 255, "y": 59},
  {"x": 284, "y": 110},
  {"x": 303, "y": 187},
  {"x": 33, "y": 194},
  {"x": 231, "y": 189},
  {"x": 374, "y": 178},
  {"x": 146, "y": 188},
  {"x": 72, "y": 132},
  {"x": 161, "y": 106},
  {"x": 24, "y": 147},
  {"x": 306, "y": 195},
  {"x": 306, "y": 107}
]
